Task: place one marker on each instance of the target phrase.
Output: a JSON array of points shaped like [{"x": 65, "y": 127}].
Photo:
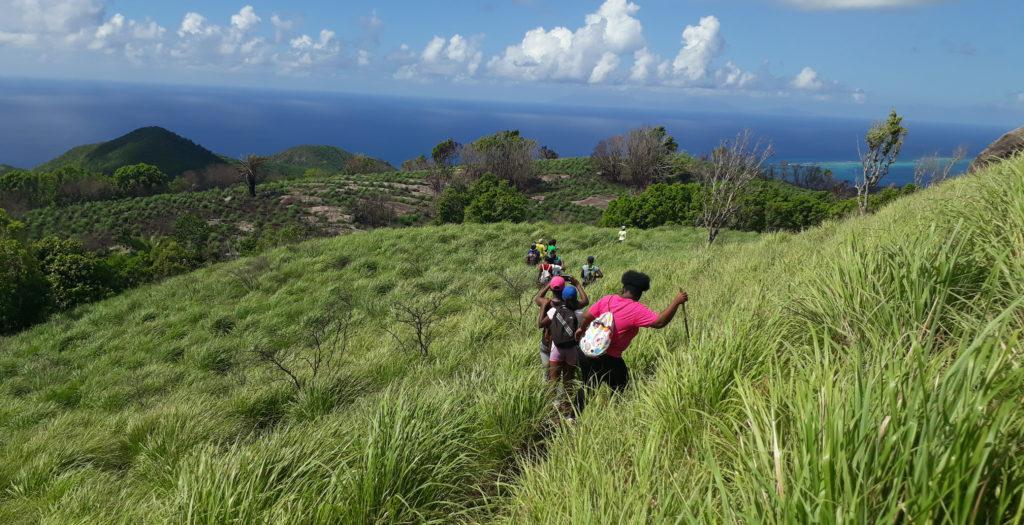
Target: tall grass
[{"x": 868, "y": 370}]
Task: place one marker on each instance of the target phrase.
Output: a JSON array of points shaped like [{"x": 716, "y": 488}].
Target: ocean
[{"x": 45, "y": 118}]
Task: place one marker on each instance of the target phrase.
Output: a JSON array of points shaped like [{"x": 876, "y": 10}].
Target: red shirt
[{"x": 629, "y": 316}]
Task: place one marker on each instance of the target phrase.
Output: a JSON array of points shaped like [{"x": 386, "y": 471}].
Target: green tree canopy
[{"x": 140, "y": 176}]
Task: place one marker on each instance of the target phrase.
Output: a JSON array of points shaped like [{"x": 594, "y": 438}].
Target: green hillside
[
  {"x": 330, "y": 159},
  {"x": 863, "y": 371},
  {"x": 6, "y": 167},
  {"x": 170, "y": 152}
]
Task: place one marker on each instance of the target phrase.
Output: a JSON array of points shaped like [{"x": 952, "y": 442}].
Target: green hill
[
  {"x": 330, "y": 159},
  {"x": 6, "y": 167},
  {"x": 170, "y": 152},
  {"x": 863, "y": 371}
]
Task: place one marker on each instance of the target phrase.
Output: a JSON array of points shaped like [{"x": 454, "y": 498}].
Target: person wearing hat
[
  {"x": 556, "y": 287},
  {"x": 629, "y": 316},
  {"x": 565, "y": 317}
]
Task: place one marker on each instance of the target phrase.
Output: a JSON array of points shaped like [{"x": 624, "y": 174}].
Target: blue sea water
[{"x": 45, "y": 118}]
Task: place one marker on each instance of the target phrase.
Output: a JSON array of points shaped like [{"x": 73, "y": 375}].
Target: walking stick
[{"x": 686, "y": 324}]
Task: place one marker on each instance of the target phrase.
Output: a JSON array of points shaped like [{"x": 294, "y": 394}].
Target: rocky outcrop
[{"x": 1004, "y": 148}]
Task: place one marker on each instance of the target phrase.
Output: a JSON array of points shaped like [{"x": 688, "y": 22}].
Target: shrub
[
  {"x": 495, "y": 201},
  {"x": 507, "y": 155},
  {"x": 76, "y": 279},
  {"x": 451, "y": 205},
  {"x": 23, "y": 290},
  {"x": 140, "y": 178}
]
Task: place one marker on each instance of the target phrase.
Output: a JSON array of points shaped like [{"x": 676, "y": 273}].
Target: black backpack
[{"x": 563, "y": 327}]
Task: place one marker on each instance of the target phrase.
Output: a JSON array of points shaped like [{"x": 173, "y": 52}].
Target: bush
[
  {"x": 507, "y": 155},
  {"x": 451, "y": 205},
  {"x": 171, "y": 258},
  {"x": 23, "y": 290},
  {"x": 76, "y": 279},
  {"x": 495, "y": 201}
]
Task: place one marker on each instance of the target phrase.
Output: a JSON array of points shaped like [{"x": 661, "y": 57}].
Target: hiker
[
  {"x": 545, "y": 272},
  {"x": 553, "y": 258},
  {"x": 590, "y": 272},
  {"x": 532, "y": 256},
  {"x": 622, "y": 233},
  {"x": 541, "y": 247},
  {"x": 552, "y": 246},
  {"x": 556, "y": 287},
  {"x": 628, "y": 316},
  {"x": 561, "y": 319}
]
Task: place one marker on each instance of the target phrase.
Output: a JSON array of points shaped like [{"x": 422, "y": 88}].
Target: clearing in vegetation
[{"x": 862, "y": 371}]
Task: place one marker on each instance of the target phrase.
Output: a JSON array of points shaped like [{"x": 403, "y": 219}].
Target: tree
[
  {"x": 725, "y": 178},
  {"x": 450, "y": 207},
  {"x": 884, "y": 142},
  {"x": 494, "y": 200},
  {"x": 24, "y": 293},
  {"x": 326, "y": 339},
  {"x": 76, "y": 279},
  {"x": 647, "y": 156},
  {"x": 373, "y": 210},
  {"x": 548, "y": 153},
  {"x": 171, "y": 258},
  {"x": 444, "y": 156},
  {"x": 933, "y": 169},
  {"x": 608, "y": 157},
  {"x": 140, "y": 178},
  {"x": 668, "y": 142},
  {"x": 417, "y": 164},
  {"x": 506, "y": 154},
  {"x": 9, "y": 227},
  {"x": 251, "y": 168},
  {"x": 420, "y": 318}
]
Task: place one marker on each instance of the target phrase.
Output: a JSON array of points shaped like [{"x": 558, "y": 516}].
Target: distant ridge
[
  {"x": 6, "y": 167},
  {"x": 298, "y": 159},
  {"x": 170, "y": 152}
]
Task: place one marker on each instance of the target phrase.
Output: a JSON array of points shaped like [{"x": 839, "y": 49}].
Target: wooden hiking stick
[{"x": 686, "y": 324}]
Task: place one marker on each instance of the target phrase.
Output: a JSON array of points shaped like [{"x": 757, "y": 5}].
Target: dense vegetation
[
  {"x": 170, "y": 152},
  {"x": 322, "y": 160},
  {"x": 865, "y": 370},
  {"x": 768, "y": 205}
]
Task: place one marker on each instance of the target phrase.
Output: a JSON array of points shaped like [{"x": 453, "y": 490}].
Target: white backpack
[{"x": 598, "y": 336}]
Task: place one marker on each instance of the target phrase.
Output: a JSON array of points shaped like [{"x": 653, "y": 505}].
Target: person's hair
[
  {"x": 552, "y": 241},
  {"x": 635, "y": 283},
  {"x": 590, "y": 258}
]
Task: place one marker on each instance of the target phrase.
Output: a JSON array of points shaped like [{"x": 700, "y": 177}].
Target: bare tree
[
  {"x": 932, "y": 169},
  {"x": 420, "y": 320},
  {"x": 609, "y": 158},
  {"x": 725, "y": 178},
  {"x": 251, "y": 168},
  {"x": 884, "y": 141},
  {"x": 515, "y": 285},
  {"x": 326, "y": 338},
  {"x": 646, "y": 156},
  {"x": 373, "y": 210},
  {"x": 507, "y": 154}
]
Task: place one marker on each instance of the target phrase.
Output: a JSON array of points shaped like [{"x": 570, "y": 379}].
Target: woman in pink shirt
[{"x": 629, "y": 317}]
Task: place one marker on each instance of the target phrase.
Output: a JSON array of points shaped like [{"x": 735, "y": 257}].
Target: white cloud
[
  {"x": 457, "y": 57},
  {"x": 807, "y": 79},
  {"x": 282, "y": 27},
  {"x": 857, "y": 4},
  {"x": 245, "y": 19},
  {"x": 135, "y": 40},
  {"x": 590, "y": 53},
  {"x": 859, "y": 96},
  {"x": 307, "y": 52},
  {"x": 643, "y": 61},
  {"x": 27, "y": 23},
  {"x": 1020, "y": 97},
  {"x": 731, "y": 76},
  {"x": 702, "y": 43}
]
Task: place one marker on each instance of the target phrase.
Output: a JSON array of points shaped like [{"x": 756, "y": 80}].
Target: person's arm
[
  {"x": 587, "y": 319},
  {"x": 666, "y": 315},
  {"x": 539, "y": 299},
  {"x": 583, "y": 297},
  {"x": 543, "y": 321}
]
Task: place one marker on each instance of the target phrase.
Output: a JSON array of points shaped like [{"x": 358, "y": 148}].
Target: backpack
[
  {"x": 545, "y": 274},
  {"x": 598, "y": 337},
  {"x": 563, "y": 327},
  {"x": 588, "y": 274},
  {"x": 531, "y": 257}
]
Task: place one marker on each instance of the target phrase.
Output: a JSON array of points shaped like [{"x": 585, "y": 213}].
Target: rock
[{"x": 1004, "y": 148}]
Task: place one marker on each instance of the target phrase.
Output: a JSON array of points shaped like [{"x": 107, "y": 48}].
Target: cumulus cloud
[
  {"x": 857, "y": 4},
  {"x": 202, "y": 43},
  {"x": 591, "y": 53},
  {"x": 27, "y": 23},
  {"x": 702, "y": 43},
  {"x": 135, "y": 40},
  {"x": 807, "y": 79},
  {"x": 457, "y": 57}
]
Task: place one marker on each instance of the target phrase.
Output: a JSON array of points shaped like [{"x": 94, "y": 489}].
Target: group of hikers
[{"x": 578, "y": 338}]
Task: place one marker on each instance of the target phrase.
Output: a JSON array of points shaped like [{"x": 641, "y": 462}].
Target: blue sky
[{"x": 952, "y": 60}]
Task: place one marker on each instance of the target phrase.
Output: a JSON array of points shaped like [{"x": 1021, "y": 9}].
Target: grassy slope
[
  {"x": 866, "y": 370},
  {"x": 170, "y": 152}
]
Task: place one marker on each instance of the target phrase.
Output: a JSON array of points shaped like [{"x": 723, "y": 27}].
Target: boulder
[{"x": 1007, "y": 146}]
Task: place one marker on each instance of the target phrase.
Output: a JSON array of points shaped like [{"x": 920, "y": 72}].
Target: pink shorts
[{"x": 569, "y": 356}]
